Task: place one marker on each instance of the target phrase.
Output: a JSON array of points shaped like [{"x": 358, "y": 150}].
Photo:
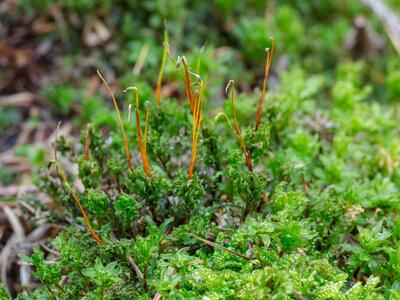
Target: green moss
[{"x": 317, "y": 217}]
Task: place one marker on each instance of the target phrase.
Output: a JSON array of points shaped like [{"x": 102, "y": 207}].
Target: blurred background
[{"x": 50, "y": 50}]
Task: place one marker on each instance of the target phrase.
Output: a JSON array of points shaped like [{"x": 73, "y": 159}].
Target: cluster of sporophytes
[{"x": 302, "y": 202}]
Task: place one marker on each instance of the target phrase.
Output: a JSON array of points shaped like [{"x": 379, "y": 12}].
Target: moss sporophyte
[
  {"x": 121, "y": 125},
  {"x": 176, "y": 207},
  {"x": 195, "y": 96},
  {"x": 142, "y": 140},
  {"x": 76, "y": 199}
]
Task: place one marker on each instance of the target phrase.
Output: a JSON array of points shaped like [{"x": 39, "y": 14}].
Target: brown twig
[
  {"x": 305, "y": 185},
  {"x": 212, "y": 244},
  {"x": 298, "y": 295},
  {"x": 136, "y": 268}
]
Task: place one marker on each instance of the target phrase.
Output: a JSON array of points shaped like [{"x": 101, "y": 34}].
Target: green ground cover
[{"x": 201, "y": 196}]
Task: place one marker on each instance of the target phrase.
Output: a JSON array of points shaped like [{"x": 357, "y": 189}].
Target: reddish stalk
[
  {"x": 142, "y": 141},
  {"x": 196, "y": 125},
  {"x": 160, "y": 74},
  {"x": 188, "y": 85},
  {"x": 78, "y": 203},
  {"x": 87, "y": 143},
  {"x": 146, "y": 125},
  {"x": 121, "y": 125},
  {"x": 195, "y": 103},
  {"x": 236, "y": 130},
  {"x": 266, "y": 73}
]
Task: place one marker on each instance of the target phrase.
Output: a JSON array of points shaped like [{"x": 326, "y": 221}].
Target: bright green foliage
[
  {"x": 103, "y": 276},
  {"x": 393, "y": 80},
  {"x": 46, "y": 271},
  {"x": 96, "y": 202},
  {"x": 3, "y": 292},
  {"x": 61, "y": 98},
  {"x": 316, "y": 218},
  {"x": 35, "y": 155},
  {"x": 89, "y": 172},
  {"x": 127, "y": 209}
]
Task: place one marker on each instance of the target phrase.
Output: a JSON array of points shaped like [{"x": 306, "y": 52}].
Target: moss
[{"x": 303, "y": 206}]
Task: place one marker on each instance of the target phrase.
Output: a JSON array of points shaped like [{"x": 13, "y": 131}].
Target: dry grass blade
[
  {"x": 212, "y": 244},
  {"x": 78, "y": 203},
  {"x": 266, "y": 73},
  {"x": 136, "y": 268},
  {"x": 23, "y": 99},
  {"x": 9, "y": 250},
  {"x": 129, "y": 112},
  {"x": 140, "y": 60},
  {"x": 15, "y": 223},
  {"x": 56, "y": 138},
  {"x": 121, "y": 125},
  {"x": 389, "y": 18}
]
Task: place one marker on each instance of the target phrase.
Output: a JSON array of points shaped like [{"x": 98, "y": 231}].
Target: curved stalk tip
[
  {"x": 121, "y": 125},
  {"x": 270, "y": 53}
]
